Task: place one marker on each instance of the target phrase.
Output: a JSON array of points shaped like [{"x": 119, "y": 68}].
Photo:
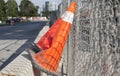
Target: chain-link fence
[{"x": 94, "y": 42}]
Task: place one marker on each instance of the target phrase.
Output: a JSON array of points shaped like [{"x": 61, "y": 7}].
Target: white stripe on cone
[{"x": 68, "y": 17}]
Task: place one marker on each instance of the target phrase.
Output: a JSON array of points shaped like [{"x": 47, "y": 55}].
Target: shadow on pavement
[{"x": 20, "y": 32}]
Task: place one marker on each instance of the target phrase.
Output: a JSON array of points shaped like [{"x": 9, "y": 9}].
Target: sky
[{"x": 40, "y": 2}]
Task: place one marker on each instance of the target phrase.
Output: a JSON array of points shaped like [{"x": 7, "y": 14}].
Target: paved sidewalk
[
  {"x": 7, "y": 48},
  {"x": 21, "y": 66}
]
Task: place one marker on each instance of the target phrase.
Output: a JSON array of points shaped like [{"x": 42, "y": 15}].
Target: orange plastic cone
[
  {"x": 46, "y": 41},
  {"x": 52, "y": 43}
]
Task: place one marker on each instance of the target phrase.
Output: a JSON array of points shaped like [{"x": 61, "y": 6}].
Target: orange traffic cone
[
  {"x": 51, "y": 45},
  {"x": 46, "y": 41}
]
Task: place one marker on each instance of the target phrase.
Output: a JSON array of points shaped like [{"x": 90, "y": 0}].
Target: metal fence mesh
[{"x": 94, "y": 41}]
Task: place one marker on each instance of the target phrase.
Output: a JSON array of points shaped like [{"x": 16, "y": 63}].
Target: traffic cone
[
  {"x": 46, "y": 41},
  {"x": 51, "y": 45}
]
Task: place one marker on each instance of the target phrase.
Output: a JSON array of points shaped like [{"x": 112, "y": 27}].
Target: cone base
[
  {"x": 37, "y": 65},
  {"x": 35, "y": 48}
]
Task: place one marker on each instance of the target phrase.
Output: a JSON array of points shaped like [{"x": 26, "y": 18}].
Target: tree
[
  {"x": 11, "y": 8},
  {"x": 2, "y": 9},
  {"x": 27, "y": 8},
  {"x": 37, "y": 7},
  {"x": 46, "y": 13}
]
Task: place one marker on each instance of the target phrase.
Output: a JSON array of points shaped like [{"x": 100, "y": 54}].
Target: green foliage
[
  {"x": 11, "y": 8},
  {"x": 2, "y": 10},
  {"x": 27, "y": 8},
  {"x": 46, "y": 13}
]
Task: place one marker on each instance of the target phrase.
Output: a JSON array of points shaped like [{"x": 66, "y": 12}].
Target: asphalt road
[{"x": 16, "y": 38}]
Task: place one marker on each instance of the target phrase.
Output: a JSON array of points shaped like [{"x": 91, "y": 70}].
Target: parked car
[
  {"x": 17, "y": 20},
  {"x": 14, "y": 20},
  {"x": 8, "y": 21}
]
